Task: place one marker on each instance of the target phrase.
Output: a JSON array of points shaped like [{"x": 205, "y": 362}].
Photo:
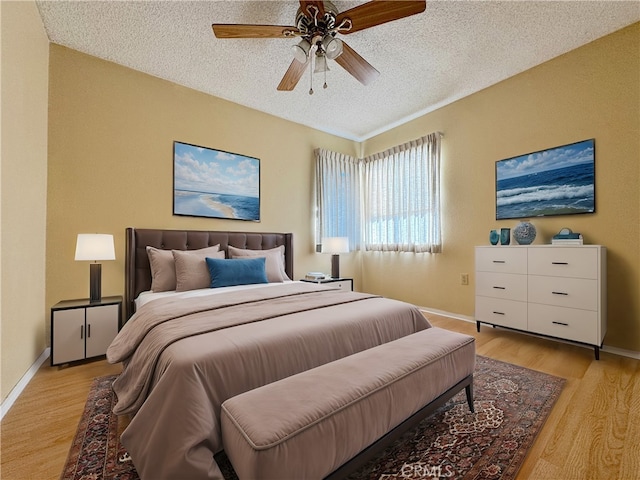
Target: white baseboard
[
  {"x": 24, "y": 381},
  {"x": 621, "y": 351},
  {"x": 614, "y": 350},
  {"x": 457, "y": 316}
]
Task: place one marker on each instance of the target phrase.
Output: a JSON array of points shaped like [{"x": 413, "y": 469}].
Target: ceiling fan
[{"x": 317, "y": 24}]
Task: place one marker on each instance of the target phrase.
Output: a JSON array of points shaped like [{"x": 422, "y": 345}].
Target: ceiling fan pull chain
[
  {"x": 311, "y": 74},
  {"x": 325, "y": 78}
]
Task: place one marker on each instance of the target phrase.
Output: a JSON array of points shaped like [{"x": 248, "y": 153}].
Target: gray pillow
[
  {"x": 163, "y": 271},
  {"x": 192, "y": 271},
  {"x": 274, "y": 261}
]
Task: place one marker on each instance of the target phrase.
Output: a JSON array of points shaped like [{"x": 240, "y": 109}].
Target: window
[
  {"x": 338, "y": 197},
  {"x": 389, "y": 201}
]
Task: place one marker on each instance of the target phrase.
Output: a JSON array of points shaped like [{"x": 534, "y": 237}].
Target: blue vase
[
  {"x": 505, "y": 236},
  {"x": 524, "y": 233},
  {"x": 494, "y": 237}
]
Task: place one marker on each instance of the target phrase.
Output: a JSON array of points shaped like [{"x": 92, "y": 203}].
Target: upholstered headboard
[{"x": 138, "y": 272}]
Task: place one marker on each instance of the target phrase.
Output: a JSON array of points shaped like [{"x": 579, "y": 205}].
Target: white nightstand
[
  {"x": 81, "y": 329},
  {"x": 344, "y": 283}
]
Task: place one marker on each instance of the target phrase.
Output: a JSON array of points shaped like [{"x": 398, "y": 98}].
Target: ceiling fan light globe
[
  {"x": 301, "y": 51},
  {"x": 321, "y": 64},
  {"x": 332, "y": 47}
]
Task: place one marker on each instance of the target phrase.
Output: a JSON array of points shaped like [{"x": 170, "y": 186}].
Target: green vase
[{"x": 505, "y": 236}]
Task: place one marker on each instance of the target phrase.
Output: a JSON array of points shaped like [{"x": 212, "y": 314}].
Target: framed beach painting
[
  {"x": 214, "y": 183},
  {"x": 556, "y": 181}
]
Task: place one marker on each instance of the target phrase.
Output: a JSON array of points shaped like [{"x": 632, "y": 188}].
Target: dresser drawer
[
  {"x": 508, "y": 313},
  {"x": 572, "y": 262},
  {"x": 510, "y": 286},
  {"x": 568, "y": 323},
  {"x": 501, "y": 259},
  {"x": 564, "y": 292}
]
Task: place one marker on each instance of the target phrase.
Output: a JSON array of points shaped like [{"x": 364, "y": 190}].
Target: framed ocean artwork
[
  {"x": 555, "y": 181},
  {"x": 214, "y": 183}
]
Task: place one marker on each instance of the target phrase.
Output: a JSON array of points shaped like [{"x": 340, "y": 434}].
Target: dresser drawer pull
[
  {"x": 559, "y": 263},
  {"x": 560, "y": 293},
  {"x": 499, "y": 261},
  {"x": 81, "y": 331},
  {"x": 560, "y": 323},
  {"x": 499, "y": 313},
  {"x": 500, "y": 288}
]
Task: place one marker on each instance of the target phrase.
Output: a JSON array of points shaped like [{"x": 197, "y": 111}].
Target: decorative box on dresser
[
  {"x": 558, "y": 291},
  {"x": 82, "y": 329}
]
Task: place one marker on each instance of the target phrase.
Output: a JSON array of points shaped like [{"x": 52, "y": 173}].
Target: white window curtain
[
  {"x": 389, "y": 201},
  {"x": 338, "y": 197},
  {"x": 402, "y": 197}
]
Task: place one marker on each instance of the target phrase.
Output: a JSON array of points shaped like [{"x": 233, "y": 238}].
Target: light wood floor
[{"x": 593, "y": 431}]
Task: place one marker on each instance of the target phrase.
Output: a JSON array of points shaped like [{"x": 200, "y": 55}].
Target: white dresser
[{"x": 556, "y": 291}]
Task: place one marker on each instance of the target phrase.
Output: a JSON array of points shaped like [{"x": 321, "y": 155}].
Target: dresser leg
[
  {"x": 596, "y": 350},
  {"x": 478, "y": 326}
]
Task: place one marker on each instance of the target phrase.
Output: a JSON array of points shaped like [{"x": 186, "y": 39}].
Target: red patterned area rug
[{"x": 511, "y": 403}]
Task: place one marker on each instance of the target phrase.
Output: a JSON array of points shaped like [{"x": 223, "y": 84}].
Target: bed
[{"x": 185, "y": 353}]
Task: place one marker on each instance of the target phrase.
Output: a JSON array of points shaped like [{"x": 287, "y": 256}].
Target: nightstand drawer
[
  {"x": 345, "y": 285},
  {"x": 509, "y": 286},
  {"x": 567, "y": 323},
  {"x": 564, "y": 262},
  {"x": 501, "y": 259},
  {"x": 507, "y": 313},
  {"x": 564, "y": 292}
]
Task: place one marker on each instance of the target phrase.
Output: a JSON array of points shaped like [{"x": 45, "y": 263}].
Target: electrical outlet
[{"x": 464, "y": 279}]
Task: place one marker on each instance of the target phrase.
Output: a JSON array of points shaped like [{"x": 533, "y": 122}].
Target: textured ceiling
[{"x": 453, "y": 49}]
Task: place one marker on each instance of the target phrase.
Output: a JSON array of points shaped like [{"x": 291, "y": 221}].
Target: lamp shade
[
  {"x": 321, "y": 63},
  {"x": 95, "y": 246},
  {"x": 301, "y": 51},
  {"x": 335, "y": 244},
  {"x": 332, "y": 46}
]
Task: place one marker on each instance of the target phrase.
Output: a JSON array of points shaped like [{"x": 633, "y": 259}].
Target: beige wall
[
  {"x": 111, "y": 134},
  {"x": 25, "y": 50},
  {"x": 110, "y": 166},
  {"x": 591, "y": 92}
]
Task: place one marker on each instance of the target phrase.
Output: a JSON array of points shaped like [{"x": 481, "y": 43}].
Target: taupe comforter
[{"x": 183, "y": 358}]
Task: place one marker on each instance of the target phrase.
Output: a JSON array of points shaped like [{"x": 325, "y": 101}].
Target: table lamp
[
  {"x": 335, "y": 246},
  {"x": 94, "y": 247}
]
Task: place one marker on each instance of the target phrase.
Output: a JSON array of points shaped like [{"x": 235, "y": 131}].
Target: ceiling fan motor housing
[{"x": 311, "y": 23}]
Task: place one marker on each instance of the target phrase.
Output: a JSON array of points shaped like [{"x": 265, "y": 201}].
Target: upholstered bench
[{"x": 307, "y": 425}]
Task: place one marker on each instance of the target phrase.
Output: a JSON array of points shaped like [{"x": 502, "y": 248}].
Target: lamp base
[
  {"x": 95, "y": 282},
  {"x": 335, "y": 266}
]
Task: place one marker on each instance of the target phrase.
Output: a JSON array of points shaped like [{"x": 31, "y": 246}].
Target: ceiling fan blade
[
  {"x": 222, "y": 30},
  {"x": 293, "y": 75},
  {"x": 356, "y": 65},
  {"x": 378, "y": 12},
  {"x": 319, "y": 4}
]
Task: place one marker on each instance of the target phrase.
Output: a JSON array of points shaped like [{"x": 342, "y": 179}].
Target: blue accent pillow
[{"x": 236, "y": 271}]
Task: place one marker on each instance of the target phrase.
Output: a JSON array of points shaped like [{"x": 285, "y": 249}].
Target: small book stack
[
  {"x": 567, "y": 239},
  {"x": 315, "y": 276}
]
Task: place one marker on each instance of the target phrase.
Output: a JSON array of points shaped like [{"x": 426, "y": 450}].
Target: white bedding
[{"x": 148, "y": 296}]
